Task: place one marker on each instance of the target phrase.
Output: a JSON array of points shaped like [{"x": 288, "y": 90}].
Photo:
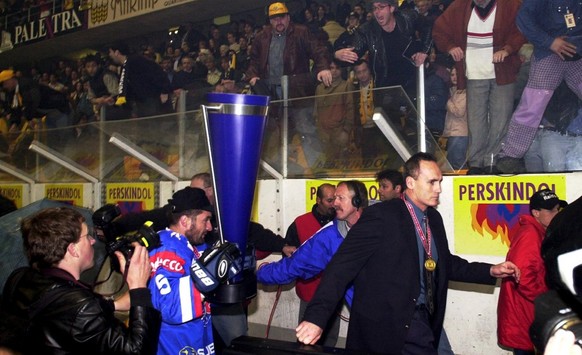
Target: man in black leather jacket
[
  {"x": 392, "y": 44},
  {"x": 52, "y": 312}
]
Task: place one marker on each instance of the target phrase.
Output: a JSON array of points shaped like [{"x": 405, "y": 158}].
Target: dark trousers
[
  {"x": 151, "y": 107},
  {"x": 420, "y": 339}
]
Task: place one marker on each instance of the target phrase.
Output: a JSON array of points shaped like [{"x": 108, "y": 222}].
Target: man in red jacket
[
  {"x": 303, "y": 228},
  {"x": 515, "y": 310}
]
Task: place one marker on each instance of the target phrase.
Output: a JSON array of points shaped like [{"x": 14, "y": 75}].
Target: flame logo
[{"x": 497, "y": 220}]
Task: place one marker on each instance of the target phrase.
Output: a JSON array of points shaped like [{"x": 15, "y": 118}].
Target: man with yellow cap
[{"x": 285, "y": 48}]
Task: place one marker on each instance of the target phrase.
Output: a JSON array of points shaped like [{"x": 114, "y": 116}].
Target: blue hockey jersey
[{"x": 186, "y": 322}]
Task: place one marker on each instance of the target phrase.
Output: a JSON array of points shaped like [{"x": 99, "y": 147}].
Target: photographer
[
  {"x": 560, "y": 308},
  {"x": 186, "y": 322},
  {"x": 51, "y": 311}
]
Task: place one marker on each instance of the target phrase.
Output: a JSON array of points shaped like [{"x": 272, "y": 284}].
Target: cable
[{"x": 277, "y": 297}]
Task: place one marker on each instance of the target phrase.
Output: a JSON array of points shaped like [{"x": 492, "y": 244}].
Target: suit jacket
[{"x": 380, "y": 256}]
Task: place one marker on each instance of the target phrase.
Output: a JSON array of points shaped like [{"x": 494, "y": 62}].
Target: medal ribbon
[{"x": 426, "y": 240}]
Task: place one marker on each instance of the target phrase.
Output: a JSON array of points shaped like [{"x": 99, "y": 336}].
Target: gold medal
[{"x": 430, "y": 264}]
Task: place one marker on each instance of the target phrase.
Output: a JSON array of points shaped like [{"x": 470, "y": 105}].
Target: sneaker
[{"x": 510, "y": 165}]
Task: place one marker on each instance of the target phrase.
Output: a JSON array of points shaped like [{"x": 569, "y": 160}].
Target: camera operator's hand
[
  {"x": 139, "y": 270},
  {"x": 136, "y": 274},
  {"x": 505, "y": 269},
  {"x": 563, "y": 342}
]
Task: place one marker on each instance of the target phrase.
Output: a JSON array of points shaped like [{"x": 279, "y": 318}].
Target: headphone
[{"x": 357, "y": 199}]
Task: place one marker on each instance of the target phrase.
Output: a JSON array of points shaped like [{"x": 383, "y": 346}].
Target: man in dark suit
[{"x": 400, "y": 270}]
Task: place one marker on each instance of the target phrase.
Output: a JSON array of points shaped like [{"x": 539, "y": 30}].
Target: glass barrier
[
  {"x": 327, "y": 136},
  {"x": 312, "y": 137},
  {"x": 145, "y": 149}
]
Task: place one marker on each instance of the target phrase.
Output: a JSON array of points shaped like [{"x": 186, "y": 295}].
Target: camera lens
[{"x": 552, "y": 313}]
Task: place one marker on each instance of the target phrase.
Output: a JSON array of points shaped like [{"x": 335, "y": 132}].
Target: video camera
[
  {"x": 561, "y": 307},
  {"x": 103, "y": 220}
]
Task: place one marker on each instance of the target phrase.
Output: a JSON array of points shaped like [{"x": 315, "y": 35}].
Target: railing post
[
  {"x": 285, "y": 126},
  {"x": 181, "y": 114},
  {"x": 421, "y": 110}
]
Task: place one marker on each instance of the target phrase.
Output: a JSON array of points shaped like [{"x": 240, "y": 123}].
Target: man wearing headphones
[
  {"x": 303, "y": 228},
  {"x": 312, "y": 257}
]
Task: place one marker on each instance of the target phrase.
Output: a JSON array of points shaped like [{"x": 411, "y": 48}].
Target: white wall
[{"x": 471, "y": 318}]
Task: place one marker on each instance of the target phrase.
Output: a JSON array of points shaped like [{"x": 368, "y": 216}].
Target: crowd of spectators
[{"x": 195, "y": 62}]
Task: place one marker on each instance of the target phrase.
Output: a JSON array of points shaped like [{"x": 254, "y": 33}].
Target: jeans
[
  {"x": 557, "y": 152},
  {"x": 534, "y": 163},
  {"x": 457, "y": 151}
]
